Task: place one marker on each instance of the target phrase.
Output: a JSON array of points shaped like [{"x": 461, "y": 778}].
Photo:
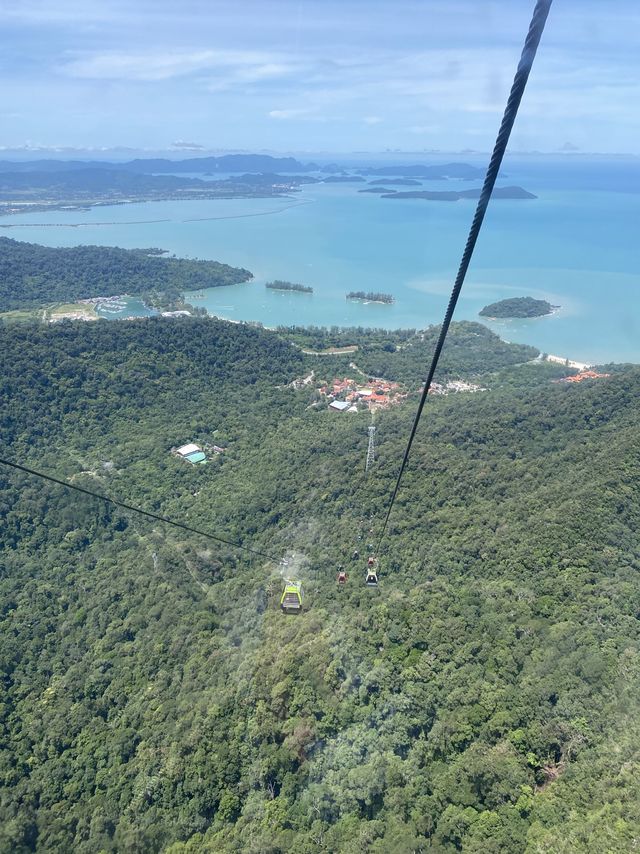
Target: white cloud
[
  {"x": 43, "y": 12},
  {"x": 287, "y": 114},
  {"x": 430, "y": 67},
  {"x": 118, "y": 66},
  {"x": 247, "y": 66},
  {"x": 423, "y": 129},
  {"x": 187, "y": 146}
]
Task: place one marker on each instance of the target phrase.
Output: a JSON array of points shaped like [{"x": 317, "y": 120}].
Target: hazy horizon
[
  {"x": 301, "y": 76},
  {"x": 124, "y": 152}
]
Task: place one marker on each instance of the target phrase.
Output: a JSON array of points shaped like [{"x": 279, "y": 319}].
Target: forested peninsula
[
  {"x": 83, "y": 189},
  {"x": 485, "y": 698},
  {"x": 518, "y": 307},
  {"x": 32, "y": 275}
]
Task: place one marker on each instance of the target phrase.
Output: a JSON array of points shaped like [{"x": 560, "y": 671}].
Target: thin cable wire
[
  {"x": 536, "y": 28},
  {"x": 146, "y": 513}
]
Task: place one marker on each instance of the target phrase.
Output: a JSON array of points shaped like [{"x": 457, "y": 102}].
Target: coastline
[
  {"x": 88, "y": 209},
  {"x": 587, "y": 328},
  {"x": 308, "y": 292},
  {"x": 15, "y": 208},
  {"x": 90, "y": 309},
  {"x": 556, "y": 310},
  {"x": 553, "y": 309},
  {"x": 365, "y": 301},
  {"x": 569, "y": 363}
]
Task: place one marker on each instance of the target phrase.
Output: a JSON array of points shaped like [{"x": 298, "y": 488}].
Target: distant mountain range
[
  {"x": 93, "y": 182},
  {"x": 232, "y": 163}
]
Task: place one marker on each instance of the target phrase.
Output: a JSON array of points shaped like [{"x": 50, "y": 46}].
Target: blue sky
[{"x": 314, "y": 75}]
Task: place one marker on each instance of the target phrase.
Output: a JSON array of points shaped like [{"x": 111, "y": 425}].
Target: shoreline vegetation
[
  {"x": 281, "y": 285},
  {"x": 77, "y": 283},
  {"x": 371, "y": 296},
  {"x": 518, "y": 307}
]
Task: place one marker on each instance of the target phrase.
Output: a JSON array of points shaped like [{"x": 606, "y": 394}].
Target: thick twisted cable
[{"x": 536, "y": 28}]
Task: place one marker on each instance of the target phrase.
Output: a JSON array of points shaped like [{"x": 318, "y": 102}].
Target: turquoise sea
[{"x": 576, "y": 245}]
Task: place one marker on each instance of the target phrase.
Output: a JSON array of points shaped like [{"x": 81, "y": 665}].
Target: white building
[{"x": 185, "y": 450}]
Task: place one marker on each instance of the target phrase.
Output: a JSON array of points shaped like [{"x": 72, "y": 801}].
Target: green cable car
[{"x": 291, "y": 600}]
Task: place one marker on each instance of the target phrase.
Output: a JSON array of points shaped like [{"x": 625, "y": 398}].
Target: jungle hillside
[{"x": 484, "y": 698}]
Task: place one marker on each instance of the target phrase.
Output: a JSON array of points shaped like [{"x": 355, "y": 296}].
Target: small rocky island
[
  {"x": 457, "y": 195},
  {"x": 279, "y": 285},
  {"x": 401, "y": 182},
  {"x": 518, "y": 307},
  {"x": 371, "y": 296},
  {"x": 343, "y": 179}
]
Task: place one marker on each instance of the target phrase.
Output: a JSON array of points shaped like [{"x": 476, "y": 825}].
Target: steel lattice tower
[{"x": 371, "y": 452}]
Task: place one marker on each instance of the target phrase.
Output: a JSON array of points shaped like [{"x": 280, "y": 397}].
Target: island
[
  {"x": 518, "y": 307},
  {"x": 279, "y": 285},
  {"x": 402, "y": 182},
  {"x": 456, "y": 195},
  {"x": 371, "y": 296},
  {"x": 343, "y": 179},
  {"x": 444, "y": 172}
]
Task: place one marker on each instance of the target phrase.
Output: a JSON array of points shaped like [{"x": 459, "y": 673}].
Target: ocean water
[
  {"x": 133, "y": 307},
  {"x": 576, "y": 245}
]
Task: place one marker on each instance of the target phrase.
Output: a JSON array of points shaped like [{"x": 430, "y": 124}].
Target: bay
[{"x": 575, "y": 245}]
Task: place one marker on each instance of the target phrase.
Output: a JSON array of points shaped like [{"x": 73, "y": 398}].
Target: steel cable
[
  {"x": 138, "y": 510},
  {"x": 536, "y": 28}
]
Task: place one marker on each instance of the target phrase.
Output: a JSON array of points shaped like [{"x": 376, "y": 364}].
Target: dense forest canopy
[
  {"x": 484, "y": 698},
  {"x": 32, "y": 275},
  {"x": 471, "y": 351}
]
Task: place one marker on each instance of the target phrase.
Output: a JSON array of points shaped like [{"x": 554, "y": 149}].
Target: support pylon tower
[{"x": 371, "y": 451}]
